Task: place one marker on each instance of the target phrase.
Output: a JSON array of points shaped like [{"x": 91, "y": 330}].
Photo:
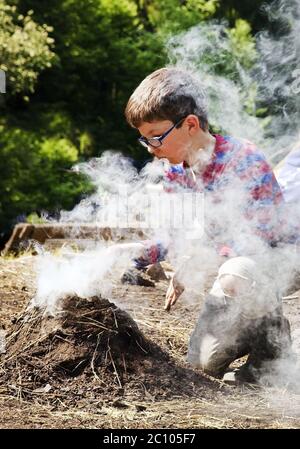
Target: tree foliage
[
  {"x": 72, "y": 65},
  {"x": 25, "y": 48},
  {"x": 34, "y": 174}
]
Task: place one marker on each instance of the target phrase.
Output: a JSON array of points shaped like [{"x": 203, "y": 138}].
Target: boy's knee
[
  {"x": 233, "y": 285},
  {"x": 236, "y": 276},
  {"x": 205, "y": 355}
]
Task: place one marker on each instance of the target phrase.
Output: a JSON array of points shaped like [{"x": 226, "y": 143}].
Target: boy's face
[{"x": 174, "y": 147}]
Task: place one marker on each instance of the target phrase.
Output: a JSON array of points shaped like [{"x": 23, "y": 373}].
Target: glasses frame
[{"x": 159, "y": 139}]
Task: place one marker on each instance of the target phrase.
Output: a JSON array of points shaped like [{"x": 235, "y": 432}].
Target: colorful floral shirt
[{"x": 233, "y": 161}]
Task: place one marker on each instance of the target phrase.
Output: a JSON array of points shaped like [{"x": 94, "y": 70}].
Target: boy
[{"x": 240, "y": 315}]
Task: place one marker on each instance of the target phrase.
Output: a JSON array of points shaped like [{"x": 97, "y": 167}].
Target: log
[{"x": 24, "y": 234}]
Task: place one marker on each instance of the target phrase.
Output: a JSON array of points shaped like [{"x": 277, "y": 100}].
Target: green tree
[
  {"x": 34, "y": 174},
  {"x": 253, "y": 11},
  {"x": 25, "y": 48},
  {"x": 105, "y": 48},
  {"x": 70, "y": 106},
  {"x": 33, "y": 161}
]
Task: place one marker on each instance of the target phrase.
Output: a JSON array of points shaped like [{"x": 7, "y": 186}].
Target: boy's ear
[{"x": 193, "y": 123}]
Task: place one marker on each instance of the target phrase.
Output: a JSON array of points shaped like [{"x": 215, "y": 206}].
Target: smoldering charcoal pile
[
  {"x": 86, "y": 333},
  {"x": 90, "y": 349}
]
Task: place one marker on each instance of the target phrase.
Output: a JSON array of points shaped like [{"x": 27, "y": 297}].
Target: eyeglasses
[{"x": 156, "y": 142}]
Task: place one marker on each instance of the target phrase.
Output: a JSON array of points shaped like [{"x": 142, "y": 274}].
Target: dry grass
[{"x": 218, "y": 406}]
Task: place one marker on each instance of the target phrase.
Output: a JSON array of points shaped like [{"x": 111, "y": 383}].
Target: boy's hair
[{"x": 167, "y": 94}]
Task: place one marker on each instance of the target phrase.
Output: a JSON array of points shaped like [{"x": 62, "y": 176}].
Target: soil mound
[{"x": 90, "y": 348}]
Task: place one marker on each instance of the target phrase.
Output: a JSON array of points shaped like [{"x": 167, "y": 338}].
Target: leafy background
[{"x": 71, "y": 66}]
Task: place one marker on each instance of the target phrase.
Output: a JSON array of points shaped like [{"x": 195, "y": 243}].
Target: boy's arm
[
  {"x": 152, "y": 252},
  {"x": 143, "y": 253}
]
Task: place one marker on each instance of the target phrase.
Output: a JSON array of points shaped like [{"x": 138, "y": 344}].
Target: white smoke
[
  {"x": 120, "y": 191},
  {"x": 272, "y": 81},
  {"x": 92, "y": 272},
  {"x": 123, "y": 200},
  {"x": 277, "y": 75},
  {"x": 202, "y": 50}
]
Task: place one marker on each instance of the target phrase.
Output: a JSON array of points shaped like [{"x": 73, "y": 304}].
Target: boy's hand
[{"x": 174, "y": 291}]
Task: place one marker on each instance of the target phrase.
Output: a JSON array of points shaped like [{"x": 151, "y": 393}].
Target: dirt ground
[{"x": 161, "y": 391}]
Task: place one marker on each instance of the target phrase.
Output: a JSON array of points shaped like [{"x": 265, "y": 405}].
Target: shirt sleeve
[{"x": 154, "y": 252}]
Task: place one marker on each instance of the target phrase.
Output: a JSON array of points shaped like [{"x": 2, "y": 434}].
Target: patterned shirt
[{"x": 234, "y": 162}]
